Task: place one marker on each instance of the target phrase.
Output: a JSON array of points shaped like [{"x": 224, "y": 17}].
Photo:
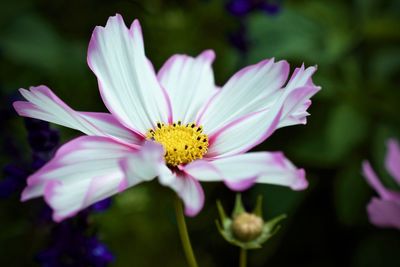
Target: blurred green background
[{"x": 356, "y": 47}]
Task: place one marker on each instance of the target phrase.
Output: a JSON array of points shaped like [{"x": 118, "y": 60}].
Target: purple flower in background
[
  {"x": 71, "y": 246},
  {"x": 243, "y": 7},
  {"x": 384, "y": 211},
  {"x": 14, "y": 180},
  {"x": 43, "y": 141},
  {"x": 239, "y": 38},
  {"x": 102, "y": 205},
  {"x": 98, "y": 253}
]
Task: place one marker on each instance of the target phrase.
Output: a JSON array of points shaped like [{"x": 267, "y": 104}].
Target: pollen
[{"x": 183, "y": 143}]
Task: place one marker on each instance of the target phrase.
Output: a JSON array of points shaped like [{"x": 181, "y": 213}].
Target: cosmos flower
[
  {"x": 385, "y": 210},
  {"x": 176, "y": 125}
]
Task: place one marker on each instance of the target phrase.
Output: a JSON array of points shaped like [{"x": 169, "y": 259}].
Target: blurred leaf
[
  {"x": 346, "y": 129},
  {"x": 314, "y": 39},
  {"x": 9, "y": 8},
  {"x": 32, "y": 41},
  {"x": 382, "y": 28},
  {"x": 332, "y": 139},
  {"x": 206, "y": 26},
  {"x": 138, "y": 224},
  {"x": 276, "y": 36},
  {"x": 366, "y": 8},
  {"x": 351, "y": 196},
  {"x": 385, "y": 64}
]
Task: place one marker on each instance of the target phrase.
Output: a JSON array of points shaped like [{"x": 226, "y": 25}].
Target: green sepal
[
  {"x": 273, "y": 222},
  {"x": 271, "y": 228},
  {"x": 221, "y": 211},
  {"x": 238, "y": 208},
  {"x": 258, "y": 208}
]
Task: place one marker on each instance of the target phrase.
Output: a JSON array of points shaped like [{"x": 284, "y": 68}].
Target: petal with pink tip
[
  {"x": 187, "y": 188},
  {"x": 252, "y": 89},
  {"x": 241, "y": 171},
  {"x": 384, "y": 213},
  {"x": 392, "y": 160},
  {"x": 127, "y": 82},
  {"x": 250, "y": 130},
  {"x": 302, "y": 77},
  {"x": 43, "y": 104},
  {"x": 257, "y": 88},
  {"x": 296, "y": 113},
  {"x": 189, "y": 82}
]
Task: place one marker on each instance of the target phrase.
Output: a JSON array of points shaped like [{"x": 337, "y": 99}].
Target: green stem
[
  {"x": 187, "y": 247},
  {"x": 243, "y": 257}
]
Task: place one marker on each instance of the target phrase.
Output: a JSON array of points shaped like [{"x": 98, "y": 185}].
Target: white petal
[
  {"x": 187, "y": 188},
  {"x": 189, "y": 82},
  {"x": 67, "y": 199},
  {"x": 83, "y": 157},
  {"x": 241, "y": 171},
  {"x": 251, "y": 89},
  {"x": 83, "y": 171},
  {"x": 45, "y": 105},
  {"x": 146, "y": 165},
  {"x": 128, "y": 84},
  {"x": 111, "y": 127}
]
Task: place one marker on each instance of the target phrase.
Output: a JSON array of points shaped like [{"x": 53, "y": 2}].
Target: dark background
[{"x": 356, "y": 47}]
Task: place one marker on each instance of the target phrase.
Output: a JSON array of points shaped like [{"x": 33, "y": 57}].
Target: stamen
[{"x": 182, "y": 143}]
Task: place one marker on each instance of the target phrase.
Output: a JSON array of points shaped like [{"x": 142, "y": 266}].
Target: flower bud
[
  {"x": 244, "y": 229},
  {"x": 247, "y": 227}
]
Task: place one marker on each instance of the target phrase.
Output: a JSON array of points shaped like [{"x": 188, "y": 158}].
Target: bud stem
[
  {"x": 243, "y": 257},
  {"x": 187, "y": 247}
]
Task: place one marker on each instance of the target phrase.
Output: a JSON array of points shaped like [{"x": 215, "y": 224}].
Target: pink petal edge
[{"x": 392, "y": 159}]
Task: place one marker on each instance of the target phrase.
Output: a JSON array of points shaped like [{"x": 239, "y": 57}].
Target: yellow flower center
[{"x": 182, "y": 143}]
